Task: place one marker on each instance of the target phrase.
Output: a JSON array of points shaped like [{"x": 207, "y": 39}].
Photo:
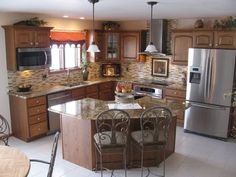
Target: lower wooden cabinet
[
  {"x": 28, "y": 117},
  {"x": 106, "y": 91},
  {"x": 92, "y": 91},
  {"x": 179, "y": 96},
  {"x": 78, "y": 93}
]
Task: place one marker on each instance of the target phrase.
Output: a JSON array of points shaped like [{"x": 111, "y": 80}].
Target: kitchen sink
[{"x": 73, "y": 84}]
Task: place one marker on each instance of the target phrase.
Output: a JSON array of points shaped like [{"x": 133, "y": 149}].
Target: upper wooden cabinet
[
  {"x": 99, "y": 38},
  {"x": 214, "y": 39},
  {"x": 114, "y": 45},
  {"x": 130, "y": 45},
  {"x": 225, "y": 39},
  {"x": 24, "y": 37},
  {"x": 181, "y": 42}
]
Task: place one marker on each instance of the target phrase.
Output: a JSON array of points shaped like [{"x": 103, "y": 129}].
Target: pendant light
[
  {"x": 151, "y": 47},
  {"x": 93, "y": 47}
]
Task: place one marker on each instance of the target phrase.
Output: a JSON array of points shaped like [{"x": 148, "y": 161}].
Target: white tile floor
[{"x": 195, "y": 156}]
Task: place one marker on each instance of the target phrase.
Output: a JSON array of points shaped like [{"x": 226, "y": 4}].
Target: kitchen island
[{"x": 78, "y": 127}]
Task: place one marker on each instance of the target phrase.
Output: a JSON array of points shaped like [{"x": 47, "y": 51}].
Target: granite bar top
[
  {"x": 57, "y": 88},
  {"x": 89, "y": 108}
]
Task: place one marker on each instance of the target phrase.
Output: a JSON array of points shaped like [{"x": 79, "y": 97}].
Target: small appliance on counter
[{"x": 111, "y": 70}]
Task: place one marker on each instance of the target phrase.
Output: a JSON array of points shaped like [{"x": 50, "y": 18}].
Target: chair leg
[
  {"x": 124, "y": 157},
  {"x": 101, "y": 167},
  {"x": 142, "y": 162}
]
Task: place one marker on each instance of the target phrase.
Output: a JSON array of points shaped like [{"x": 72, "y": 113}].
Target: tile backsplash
[{"x": 130, "y": 71}]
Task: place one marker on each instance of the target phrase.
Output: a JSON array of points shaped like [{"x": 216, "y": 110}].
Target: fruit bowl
[{"x": 123, "y": 93}]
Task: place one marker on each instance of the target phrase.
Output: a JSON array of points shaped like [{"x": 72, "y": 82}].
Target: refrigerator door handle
[
  {"x": 207, "y": 77},
  {"x": 210, "y": 77},
  {"x": 208, "y": 106}
]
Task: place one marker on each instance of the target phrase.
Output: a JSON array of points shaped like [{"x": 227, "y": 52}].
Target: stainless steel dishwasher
[{"x": 54, "y": 118}]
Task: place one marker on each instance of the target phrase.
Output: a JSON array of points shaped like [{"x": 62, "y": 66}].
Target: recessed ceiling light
[
  {"x": 65, "y": 16},
  {"x": 81, "y": 18}
]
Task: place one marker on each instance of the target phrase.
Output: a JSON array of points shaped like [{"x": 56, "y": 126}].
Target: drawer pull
[
  {"x": 39, "y": 129},
  {"x": 38, "y": 110},
  {"x": 36, "y": 43},
  {"x": 38, "y": 118},
  {"x": 175, "y": 93},
  {"x": 37, "y": 101}
]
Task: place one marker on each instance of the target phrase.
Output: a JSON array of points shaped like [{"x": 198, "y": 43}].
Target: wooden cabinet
[
  {"x": 78, "y": 93},
  {"x": 28, "y": 117},
  {"x": 225, "y": 39},
  {"x": 214, "y": 39},
  {"x": 24, "y": 37},
  {"x": 99, "y": 37},
  {"x": 130, "y": 45},
  {"x": 106, "y": 91},
  {"x": 92, "y": 91},
  {"x": 112, "y": 44},
  {"x": 181, "y": 42},
  {"x": 179, "y": 96}
]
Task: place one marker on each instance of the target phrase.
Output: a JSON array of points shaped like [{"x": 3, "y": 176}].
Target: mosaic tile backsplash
[{"x": 130, "y": 71}]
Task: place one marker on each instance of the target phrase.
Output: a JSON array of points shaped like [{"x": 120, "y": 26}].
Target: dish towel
[{"x": 124, "y": 106}]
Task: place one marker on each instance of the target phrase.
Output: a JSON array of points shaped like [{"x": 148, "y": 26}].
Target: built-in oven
[{"x": 143, "y": 90}]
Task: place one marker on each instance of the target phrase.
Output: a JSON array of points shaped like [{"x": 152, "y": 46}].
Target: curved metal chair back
[
  {"x": 53, "y": 156},
  {"x": 112, "y": 127},
  {"x": 4, "y": 130},
  {"x": 155, "y": 123}
]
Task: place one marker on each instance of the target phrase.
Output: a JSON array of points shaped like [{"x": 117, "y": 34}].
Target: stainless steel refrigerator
[{"x": 210, "y": 83}]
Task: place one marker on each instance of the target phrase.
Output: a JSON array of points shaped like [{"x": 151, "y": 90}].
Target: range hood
[{"x": 159, "y": 37}]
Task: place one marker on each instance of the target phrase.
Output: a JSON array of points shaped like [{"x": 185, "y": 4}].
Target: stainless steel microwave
[{"x": 33, "y": 58}]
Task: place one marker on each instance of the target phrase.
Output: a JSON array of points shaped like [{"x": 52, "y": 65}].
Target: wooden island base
[{"x": 78, "y": 145}]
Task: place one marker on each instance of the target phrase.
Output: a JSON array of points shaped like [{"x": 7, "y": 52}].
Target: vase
[{"x": 85, "y": 74}]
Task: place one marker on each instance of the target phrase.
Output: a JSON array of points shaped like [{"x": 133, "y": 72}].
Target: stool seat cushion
[
  {"x": 106, "y": 138},
  {"x": 149, "y": 137}
]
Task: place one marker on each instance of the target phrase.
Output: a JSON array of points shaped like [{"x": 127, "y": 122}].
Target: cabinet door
[
  {"x": 225, "y": 39},
  {"x": 78, "y": 93},
  {"x": 130, "y": 45},
  {"x": 182, "y": 41},
  {"x": 203, "y": 39},
  {"x": 112, "y": 46},
  {"x": 41, "y": 38},
  {"x": 24, "y": 38}
]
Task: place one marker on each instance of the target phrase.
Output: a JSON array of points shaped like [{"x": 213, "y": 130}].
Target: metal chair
[
  {"x": 4, "y": 130},
  {"x": 53, "y": 156},
  {"x": 111, "y": 137},
  {"x": 153, "y": 136}
]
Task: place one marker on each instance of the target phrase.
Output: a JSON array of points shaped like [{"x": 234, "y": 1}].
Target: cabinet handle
[
  {"x": 36, "y": 43},
  {"x": 31, "y": 43},
  {"x": 37, "y": 101},
  {"x": 39, "y": 129},
  {"x": 38, "y": 110},
  {"x": 210, "y": 44},
  {"x": 38, "y": 118},
  {"x": 216, "y": 44},
  {"x": 175, "y": 93}
]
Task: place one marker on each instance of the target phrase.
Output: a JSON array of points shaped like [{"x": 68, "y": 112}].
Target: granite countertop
[
  {"x": 57, "y": 88},
  {"x": 89, "y": 108}
]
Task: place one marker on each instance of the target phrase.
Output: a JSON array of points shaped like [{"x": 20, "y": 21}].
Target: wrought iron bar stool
[
  {"x": 153, "y": 136},
  {"x": 112, "y": 133},
  {"x": 53, "y": 156},
  {"x": 4, "y": 130}
]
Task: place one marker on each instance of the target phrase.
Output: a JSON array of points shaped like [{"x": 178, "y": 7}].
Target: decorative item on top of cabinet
[
  {"x": 24, "y": 37},
  {"x": 130, "y": 45},
  {"x": 28, "y": 117},
  {"x": 214, "y": 39},
  {"x": 182, "y": 40},
  {"x": 179, "y": 96}
]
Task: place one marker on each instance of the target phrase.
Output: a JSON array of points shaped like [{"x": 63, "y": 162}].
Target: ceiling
[{"x": 123, "y": 9}]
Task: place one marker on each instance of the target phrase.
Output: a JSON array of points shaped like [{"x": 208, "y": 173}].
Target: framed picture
[{"x": 160, "y": 67}]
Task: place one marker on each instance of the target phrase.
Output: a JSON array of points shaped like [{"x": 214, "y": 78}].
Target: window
[
  {"x": 67, "y": 49},
  {"x": 66, "y": 56}
]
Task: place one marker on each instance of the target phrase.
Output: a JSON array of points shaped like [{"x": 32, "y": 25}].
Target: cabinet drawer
[
  {"x": 91, "y": 89},
  {"x": 36, "y": 101},
  {"x": 37, "y": 118},
  {"x": 175, "y": 93},
  {"x": 106, "y": 85},
  {"x": 37, "y": 110},
  {"x": 38, "y": 129}
]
